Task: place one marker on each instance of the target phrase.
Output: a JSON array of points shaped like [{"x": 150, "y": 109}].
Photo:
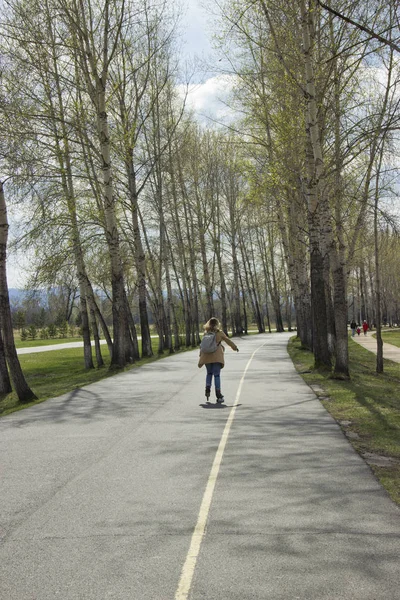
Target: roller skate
[{"x": 220, "y": 397}]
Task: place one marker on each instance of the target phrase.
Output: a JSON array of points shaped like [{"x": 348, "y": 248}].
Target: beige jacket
[{"x": 218, "y": 355}]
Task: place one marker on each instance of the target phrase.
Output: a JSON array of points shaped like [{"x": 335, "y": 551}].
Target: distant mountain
[{"x": 16, "y": 295}]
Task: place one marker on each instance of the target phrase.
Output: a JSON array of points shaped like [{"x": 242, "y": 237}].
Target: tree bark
[
  {"x": 140, "y": 260},
  {"x": 314, "y": 159},
  {"x": 5, "y": 383},
  {"x": 23, "y": 391}
]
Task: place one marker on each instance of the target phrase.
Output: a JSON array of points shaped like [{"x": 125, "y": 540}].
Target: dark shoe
[
  {"x": 220, "y": 397},
  {"x": 208, "y": 391}
]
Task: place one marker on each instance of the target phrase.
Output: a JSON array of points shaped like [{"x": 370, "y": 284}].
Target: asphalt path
[
  {"x": 369, "y": 342},
  {"x": 51, "y": 347},
  {"x": 64, "y": 345},
  {"x": 134, "y": 488}
]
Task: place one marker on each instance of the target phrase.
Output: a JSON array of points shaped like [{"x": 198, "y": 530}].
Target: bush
[
  {"x": 24, "y": 335},
  {"x": 19, "y": 319},
  {"x": 32, "y": 332},
  {"x": 44, "y": 333},
  {"x": 63, "y": 330},
  {"x": 52, "y": 330}
]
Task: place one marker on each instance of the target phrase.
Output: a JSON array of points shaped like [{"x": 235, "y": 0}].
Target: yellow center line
[{"x": 188, "y": 569}]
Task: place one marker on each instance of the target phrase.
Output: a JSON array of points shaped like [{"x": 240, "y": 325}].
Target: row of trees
[
  {"x": 362, "y": 282},
  {"x": 118, "y": 186},
  {"x": 320, "y": 92}
]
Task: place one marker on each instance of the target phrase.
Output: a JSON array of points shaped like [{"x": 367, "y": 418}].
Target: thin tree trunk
[
  {"x": 140, "y": 260},
  {"x": 63, "y": 153},
  {"x": 339, "y": 268},
  {"x": 87, "y": 348},
  {"x": 5, "y": 383},
  {"x": 216, "y": 240},
  {"x": 378, "y": 301}
]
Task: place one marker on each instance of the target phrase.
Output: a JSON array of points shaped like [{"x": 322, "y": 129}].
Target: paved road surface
[
  {"x": 62, "y": 346},
  {"x": 51, "y": 347},
  {"x": 102, "y": 489}
]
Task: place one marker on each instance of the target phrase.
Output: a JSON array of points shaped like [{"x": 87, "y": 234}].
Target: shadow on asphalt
[{"x": 210, "y": 405}]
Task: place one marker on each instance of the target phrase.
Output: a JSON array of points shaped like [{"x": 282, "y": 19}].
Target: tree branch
[{"x": 359, "y": 26}]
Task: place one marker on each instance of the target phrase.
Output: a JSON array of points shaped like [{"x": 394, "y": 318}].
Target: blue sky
[{"x": 196, "y": 28}]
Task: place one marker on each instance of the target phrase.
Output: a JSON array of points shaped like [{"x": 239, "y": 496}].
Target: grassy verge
[
  {"x": 367, "y": 408},
  {"x": 391, "y": 337},
  {"x": 53, "y": 373}
]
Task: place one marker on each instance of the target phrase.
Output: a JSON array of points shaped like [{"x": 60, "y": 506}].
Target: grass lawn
[
  {"x": 366, "y": 407},
  {"x": 391, "y": 337},
  {"x": 53, "y": 373}
]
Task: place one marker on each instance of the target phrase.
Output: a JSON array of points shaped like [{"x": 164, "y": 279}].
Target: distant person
[
  {"x": 358, "y": 330},
  {"x": 353, "y": 327},
  {"x": 365, "y": 327},
  {"x": 212, "y": 355}
]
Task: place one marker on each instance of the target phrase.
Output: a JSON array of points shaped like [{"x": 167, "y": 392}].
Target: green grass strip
[
  {"x": 369, "y": 404},
  {"x": 391, "y": 337}
]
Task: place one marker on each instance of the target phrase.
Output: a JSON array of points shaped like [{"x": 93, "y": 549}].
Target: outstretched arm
[{"x": 229, "y": 342}]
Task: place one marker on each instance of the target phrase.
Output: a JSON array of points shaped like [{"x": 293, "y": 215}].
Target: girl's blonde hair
[{"x": 212, "y": 325}]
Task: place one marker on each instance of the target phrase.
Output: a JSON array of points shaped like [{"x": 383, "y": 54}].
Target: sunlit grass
[{"x": 391, "y": 337}]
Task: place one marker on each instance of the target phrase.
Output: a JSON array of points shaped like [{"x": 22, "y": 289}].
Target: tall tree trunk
[
  {"x": 256, "y": 291},
  {"x": 94, "y": 64},
  {"x": 194, "y": 300},
  {"x": 171, "y": 302},
  {"x": 63, "y": 154},
  {"x": 363, "y": 294},
  {"x": 216, "y": 240},
  {"x": 314, "y": 159},
  {"x": 262, "y": 252},
  {"x": 21, "y": 387},
  {"x": 201, "y": 236},
  {"x": 339, "y": 268},
  {"x": 131, "y": 340},
  {"x": 378, "y": 301},
  {"x": 119, "y": 306},
  {"x": 140, "y": 260},
  {"x": 274, "y": 290},
  {"x": 231, "y": 193}
]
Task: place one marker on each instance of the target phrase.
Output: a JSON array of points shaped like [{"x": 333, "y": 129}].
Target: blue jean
[{"x": 214, "y": 369}]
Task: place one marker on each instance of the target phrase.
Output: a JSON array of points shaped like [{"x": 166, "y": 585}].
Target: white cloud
[
  {"x": 209, "y": 100},
  {"x": 16, "y": 271}
]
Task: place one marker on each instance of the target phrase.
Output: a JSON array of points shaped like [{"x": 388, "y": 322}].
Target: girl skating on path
[{"x": 212, "y": 355}]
